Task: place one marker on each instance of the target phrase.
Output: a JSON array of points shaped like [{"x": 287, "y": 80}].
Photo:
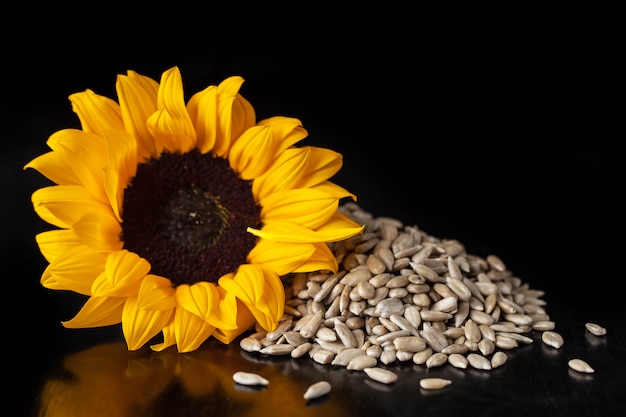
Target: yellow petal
[
  {"x": 156, "y": 293},
  {"x": 220, "y": 115},
  {"x": 141, "y": 325},
  {"x": 287, "y": 130},
  {"x": 203, "y": 300},
  {"x": 202, "y": 109},
  {"x": 190, "y": 330},
  {"x": 283, "y": 173},
  {"x": 122, "y": 275},
  {"x": 235, "y": 114},
  {"x": 121, "y": 168},
  {"x": 339, "y": 227},
  {"x": 54, "y": 166},
  {"x": 252, "y": 152},
  {"x": 245, "y": 320},
  {"x": 97, "y": 312},
  {"x": 75, "y": 270},
  {"x": 307, "y": 207},
  {"x": 334, "y": 190},
  {"x": 63, "y": 205},
  {"x": 280, "y": 257},
  {"x": 138, "y": 100},
  {"x": 260, "y": 290},
  {"x": 54, "y": 243},
  {"x": 169, "y": 337},
  {"x": 86, "y": 154},
  {"x": 99, "y": 231},
  {"x": 171, "y": 125},
  {"x": 322, "y": 259},
  {"x": 247, "y": 283},
  {"x": 322, "y": 164},
  {"x": 96, "y": 113}
]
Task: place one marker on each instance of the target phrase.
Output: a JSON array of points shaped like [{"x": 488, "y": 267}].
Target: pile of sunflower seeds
[{"x": 403, "y": 295}]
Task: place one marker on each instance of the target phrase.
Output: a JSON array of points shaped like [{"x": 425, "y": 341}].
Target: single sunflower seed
[
  {"x": 381, "y": 375},
  {"x": 580, "y": 366},
  {"x": 249, "y": 378},
  {"x": 552, "y": 338},
  {"x": 434, "y": 383},
  {"x": 317, "y": 390},
  {"x": 595, "y": 329}
]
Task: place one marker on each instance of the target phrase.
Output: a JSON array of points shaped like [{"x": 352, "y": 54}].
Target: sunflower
[{"x": 179, "y": 218}]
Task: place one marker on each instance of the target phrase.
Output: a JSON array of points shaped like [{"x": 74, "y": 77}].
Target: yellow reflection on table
[{"x": 109, "y": 381}]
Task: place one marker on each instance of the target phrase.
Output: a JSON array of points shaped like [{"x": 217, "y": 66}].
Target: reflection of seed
[
  {"x": 249, "y": 378},
  {"x": 595, "y": 329},
  {"x": 434, "y": 383},
  {"x": 381, "y": 375},
  {"x": 317, "y": 390},
  {"x": 580, "y": 366}
]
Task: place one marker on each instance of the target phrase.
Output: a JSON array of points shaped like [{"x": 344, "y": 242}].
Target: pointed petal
[
  {"x": 190, "y": 330},
  {"x": 138, "y": 100},
  {"x": 322, "y": 259},
  {"x": 322, "y": 164},
  {"x": 99, "y": 231},
  {"x": 339, "y": 227},
  {"x": 169, "y": 337},
  {"x": 261, "y": 291},
  {"x": 171, "y": 125},
  {"x": 96, "y": 113},
  {"x": 251, "y": 154},
  {"x": 97, "y": 312},
  {"x": 334, "y": 190},
  {"x": 121, "y": 168},
  {"x": 288, "y": 130},
  {"x": 140, "y": 325},
  {"x": 307, "y": 207},
  {"x": 235, "y": 114},
  {"x": 86, "y": 154},
  {"x": 63, "y": 205},
  {"x": 280, "y": 257},
  {"x": 75, "y": 270},
  {"x": 203, "y": 300},
  {"x": 54, "y": 243},
  {"x": 202, "y": 108},
  {"x": 245, "y": 320},
  {"x": 156, "y": 293},
  {"x": 122, "y": 275},
  {"x": 286, "y": 171},
  {"x": 53, "y": 165},
  {"x": 220, "y": 115}
]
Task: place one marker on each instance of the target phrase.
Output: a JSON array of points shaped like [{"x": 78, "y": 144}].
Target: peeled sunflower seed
[
  {"x": 316, "y": 390},
  {"x": 434, "y": 383},
  {"x": 381, "y": 375},
  {"x": 552, "y": 338},
  {"x": 595, "y": 329},
  {"x": 249, "y": 378},
  {"x": 580, "y": 366}
]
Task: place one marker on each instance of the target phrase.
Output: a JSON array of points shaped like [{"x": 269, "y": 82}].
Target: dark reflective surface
[
  {"x": 502, "y": 133},
  {"x": 107, "y": 380}
]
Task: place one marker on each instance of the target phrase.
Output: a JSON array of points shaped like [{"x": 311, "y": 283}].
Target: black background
[{"x": 499, "y": 125}]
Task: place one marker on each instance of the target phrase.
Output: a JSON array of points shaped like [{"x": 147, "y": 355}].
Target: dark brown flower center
[{"x": 187, "y": 215}]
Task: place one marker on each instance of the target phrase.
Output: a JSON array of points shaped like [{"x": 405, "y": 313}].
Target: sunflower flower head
[{"x": 179, "y": 218}]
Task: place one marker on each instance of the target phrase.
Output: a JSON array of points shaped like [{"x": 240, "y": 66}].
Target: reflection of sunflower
[{"x": 181, "y": 218}]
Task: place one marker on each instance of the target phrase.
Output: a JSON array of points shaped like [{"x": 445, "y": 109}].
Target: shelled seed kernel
[{"x": 401, "y": 294}]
